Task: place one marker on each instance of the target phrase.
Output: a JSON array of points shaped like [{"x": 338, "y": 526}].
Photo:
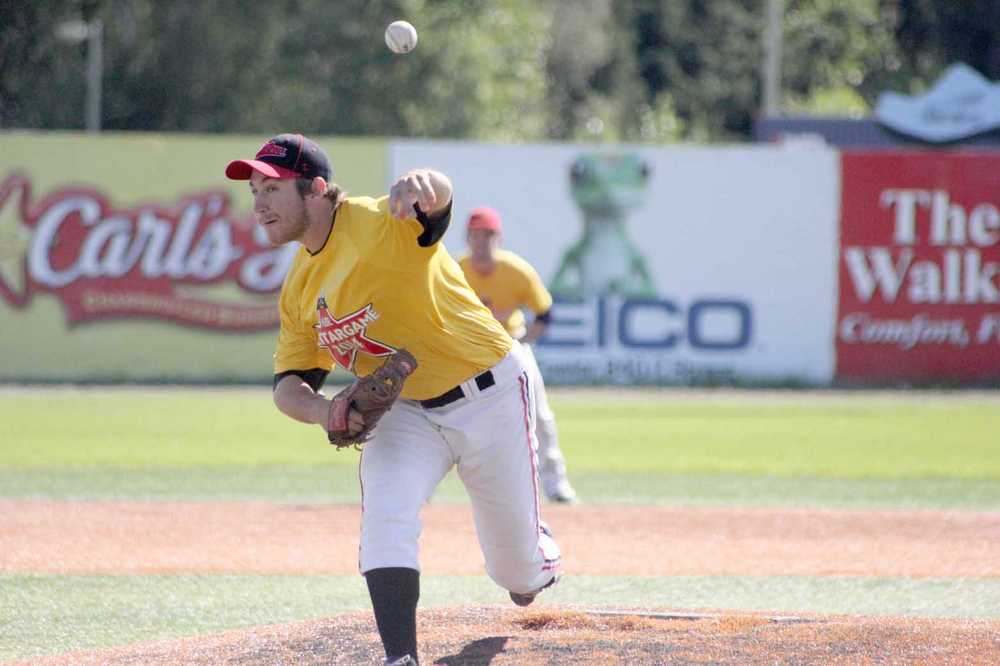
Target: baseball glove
[{"x": 372, "y": 396}]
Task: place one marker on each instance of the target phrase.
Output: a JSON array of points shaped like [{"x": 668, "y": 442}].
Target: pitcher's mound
[{"x": 498, "y": 635}]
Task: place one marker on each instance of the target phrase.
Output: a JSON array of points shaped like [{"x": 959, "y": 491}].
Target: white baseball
[{"x": 401, "y": 37}]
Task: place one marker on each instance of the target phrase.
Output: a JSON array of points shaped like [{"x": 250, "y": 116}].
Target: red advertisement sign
[
  {"x": 919, "y": 267},
  {"x": 149, "y": 261}
]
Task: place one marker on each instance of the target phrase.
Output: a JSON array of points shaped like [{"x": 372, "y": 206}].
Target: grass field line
[
  {"x": 686, "y": 615},
  {"x": 667, "y": 394}
]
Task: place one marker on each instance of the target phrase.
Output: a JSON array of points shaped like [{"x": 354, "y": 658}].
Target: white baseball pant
[{"x": 490, "y": 436}]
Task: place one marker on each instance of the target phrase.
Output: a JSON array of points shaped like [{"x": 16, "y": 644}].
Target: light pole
[
  {"x": 771, "y": 68},
  {"x": 92, "y": 31}
]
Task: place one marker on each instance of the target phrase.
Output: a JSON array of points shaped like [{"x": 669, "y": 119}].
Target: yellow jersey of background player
[
  {"x": 506, "y": 283},
  {"x": 512, "y": 284}
]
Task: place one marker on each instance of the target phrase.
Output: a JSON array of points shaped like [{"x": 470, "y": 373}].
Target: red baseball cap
[
  {"x": 485, "y": 218},
  {"x": 284, "y": 156}
]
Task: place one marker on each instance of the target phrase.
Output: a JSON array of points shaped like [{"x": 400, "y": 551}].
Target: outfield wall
[
  {"x": 131, "y": 257},
  {"x": 919, "y": 267},
  {"x": 738, "y": 247}
]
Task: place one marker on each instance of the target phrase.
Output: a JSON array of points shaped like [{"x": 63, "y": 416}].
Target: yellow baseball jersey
[
  {"x": 372, "y": 289},
  {"x": 513, "y": 284}
]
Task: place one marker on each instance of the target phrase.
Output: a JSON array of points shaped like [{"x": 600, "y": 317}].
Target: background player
[
  {"x": 371, "y": 278},
  {"x": 505, "y": 283}
]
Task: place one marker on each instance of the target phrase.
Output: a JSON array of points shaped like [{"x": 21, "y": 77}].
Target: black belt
[{"x": 483, "y": 381}]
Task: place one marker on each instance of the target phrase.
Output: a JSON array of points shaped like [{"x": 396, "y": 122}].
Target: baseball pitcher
[{"x": 441, "y": 383}]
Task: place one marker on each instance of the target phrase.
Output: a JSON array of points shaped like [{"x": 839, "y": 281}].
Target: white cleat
[
  {"x": 529, "y": 598},
  {"x": 562, "y": 493}
]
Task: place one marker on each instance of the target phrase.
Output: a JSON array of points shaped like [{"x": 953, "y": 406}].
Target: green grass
[
  {"x": 154, "y": 428},
  {"x": 856, "y": 437},
  {"x": 842, "y": 449},
  {"x": 52, "y": 614}
]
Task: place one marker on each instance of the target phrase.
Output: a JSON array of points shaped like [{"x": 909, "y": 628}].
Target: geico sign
[{"x": 706, "y": 324}]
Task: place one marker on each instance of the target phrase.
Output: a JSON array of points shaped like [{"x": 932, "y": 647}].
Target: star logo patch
[{"x": 346, "y": 336}]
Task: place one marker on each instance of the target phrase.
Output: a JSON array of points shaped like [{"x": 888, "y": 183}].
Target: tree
[
  {"x": 934, "y": 34},
  {"x": 613, "y": 70},
  {"x": 839, "y": 56},
  {"x": 41, "y": 79},
  {"x": 317, "y": 66},
  {"x": 700, "y": 58},
  {"x": 475, "y": 72}
]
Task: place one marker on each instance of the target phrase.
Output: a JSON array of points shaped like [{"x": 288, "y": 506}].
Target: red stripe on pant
[{"x": 526, "y": 403}]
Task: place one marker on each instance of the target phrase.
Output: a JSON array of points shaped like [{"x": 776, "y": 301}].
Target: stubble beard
[{"x": 289, "y": 229}]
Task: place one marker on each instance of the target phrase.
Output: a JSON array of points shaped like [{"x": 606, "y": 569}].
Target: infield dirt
[{"x": 255, "y": 537}]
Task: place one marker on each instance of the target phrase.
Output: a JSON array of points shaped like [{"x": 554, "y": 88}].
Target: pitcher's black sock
[{"x": 395, "y": 592}]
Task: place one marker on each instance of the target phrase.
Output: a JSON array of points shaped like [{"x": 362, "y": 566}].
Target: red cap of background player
[
  {"x": 484, "y": 218},
  {"x": 284, "y": 156}
]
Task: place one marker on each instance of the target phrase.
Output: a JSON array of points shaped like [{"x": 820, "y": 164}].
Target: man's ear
[{"x": 318, "y": 186}]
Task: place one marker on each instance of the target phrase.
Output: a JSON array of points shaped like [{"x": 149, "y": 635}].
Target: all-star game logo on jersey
[{"x": 345, "y": 337}]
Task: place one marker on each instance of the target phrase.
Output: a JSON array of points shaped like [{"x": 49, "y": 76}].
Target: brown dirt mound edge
[
  {"x": 499, "y": 635},
  {"x": 146, "y": 537}
]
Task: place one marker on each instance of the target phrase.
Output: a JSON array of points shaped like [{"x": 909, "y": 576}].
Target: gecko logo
[{"x": 651, "y": 324}]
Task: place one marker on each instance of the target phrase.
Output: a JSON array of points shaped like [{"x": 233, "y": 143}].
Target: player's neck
[
  {"x": 483, "y": 265},
  {"x": 320, "y": 225}
]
